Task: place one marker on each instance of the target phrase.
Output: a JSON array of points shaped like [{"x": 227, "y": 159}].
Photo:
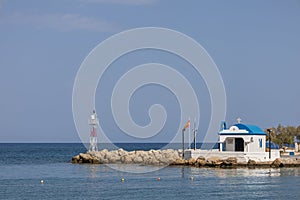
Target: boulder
[
  {"x": 138, "y": 159},
  {"x": 103, "y": 160},
  {"x": 121, "y": 152},
  {"x": 75, "y": 159},
  {"x": 86, "y": 158},
  {"x": 232, "y": 160},
  {"x": 200, "y": 162},
  {"x": 229, "y": 161},
  {"x": 141, "y": 153},
  {"x": 127, "y": 159},
  {"x": 277, "y": 163},
  {"x": 179, "y": 161},
  {"x": 192, "y": 161},
  {"x": 96, "y": 161},
  {"x": 251, "y": 162},
  {"x": 151, "y": 161},
  {"x": 104, "y": 151},
  {"x": 115, "y": 158},
  {"x": 214, "y": 162},
  {"x": 158, "y": 157}
]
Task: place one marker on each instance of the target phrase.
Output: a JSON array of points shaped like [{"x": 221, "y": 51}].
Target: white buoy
[{"x": 42, "y": 181}]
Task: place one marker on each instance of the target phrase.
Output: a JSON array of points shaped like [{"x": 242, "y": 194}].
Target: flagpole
[
  {"x": 183, "y": 143},
  {"x": 195, "y": 132},
  {"x": 190, "y": 133}
]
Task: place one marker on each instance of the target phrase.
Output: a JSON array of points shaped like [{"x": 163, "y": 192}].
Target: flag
[{"x": 187, "y": 125}]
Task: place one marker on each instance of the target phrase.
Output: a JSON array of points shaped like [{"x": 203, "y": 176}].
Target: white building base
[{"x": 242, "y": 157}]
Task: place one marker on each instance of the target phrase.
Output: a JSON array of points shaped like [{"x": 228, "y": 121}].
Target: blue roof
[{"x": 252, "y": 129}]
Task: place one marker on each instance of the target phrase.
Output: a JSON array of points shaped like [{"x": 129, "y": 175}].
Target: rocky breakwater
[
  {"x": 173, "y": 157},
  {"x": 232, "y": 162},
  {"x": 287, "y": 162},
  {"x": 120, "y": 156},
  {"x": 152, "y": 157},
  {"x": 207, "y": 162}
]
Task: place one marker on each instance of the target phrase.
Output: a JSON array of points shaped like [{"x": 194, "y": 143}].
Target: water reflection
[
  {"x": 245, "y": 172},
  {"x": 95, "y": 171}
]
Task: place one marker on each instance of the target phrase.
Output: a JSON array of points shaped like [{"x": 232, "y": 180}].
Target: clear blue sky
[{"x": 255, "y": 44}]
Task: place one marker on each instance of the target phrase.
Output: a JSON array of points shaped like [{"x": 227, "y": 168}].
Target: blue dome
[{"x": 252, "y": 129}]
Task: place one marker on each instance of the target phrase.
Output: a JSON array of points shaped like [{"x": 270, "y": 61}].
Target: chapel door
[{"x": 239, "y": 144}]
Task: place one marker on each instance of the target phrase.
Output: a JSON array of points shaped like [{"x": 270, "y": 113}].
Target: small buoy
[
  {"x": 42, "y": 181},
  {"x": 158, "y": 178},
  {"x": 192, "y": 178},
  {"x": 123, "y": 179}
]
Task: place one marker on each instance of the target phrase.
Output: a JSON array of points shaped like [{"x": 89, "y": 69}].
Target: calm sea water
[{"x": 22, "y": 166}]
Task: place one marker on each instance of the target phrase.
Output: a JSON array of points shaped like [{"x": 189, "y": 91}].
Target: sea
[{"x": 44, "y": 171}]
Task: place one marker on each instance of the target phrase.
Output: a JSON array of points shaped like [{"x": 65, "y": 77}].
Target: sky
[{"x": 255, "y": 45}]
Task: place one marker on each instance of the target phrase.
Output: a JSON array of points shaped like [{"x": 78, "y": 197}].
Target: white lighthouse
[{"x": 93, "y": 122}]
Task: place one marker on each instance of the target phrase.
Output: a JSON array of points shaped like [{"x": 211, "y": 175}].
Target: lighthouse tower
[{"x": 93, "y": 122}]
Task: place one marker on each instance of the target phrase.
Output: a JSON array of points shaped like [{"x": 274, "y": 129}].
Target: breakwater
[
  {"x": 173, "y": 157},
  {"x": 151, "y": 157}
]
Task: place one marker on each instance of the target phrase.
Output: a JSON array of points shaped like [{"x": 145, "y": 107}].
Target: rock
[
  {"x": 130, "y": 153},
  {"x": 86, "y": 158},
  {"x": 114, "y": 158},
  {"x": 127, "y": 160},
  {"x": 122, "y": 159},
  {"x": 186, "y": 162},
  {"x": 100, "y": 154},
  {"x": 104, "y": 151},
  {"x": 96, "y": 161},
  {"x": 151, "y": 161},
  {"x": 290, "y": 162},
  {"x": 229, "y": 161},
  {"x": 214, "y": 162},
  {"x": 232, "y": 160},
  {"x": 169, "y": 156},
  {"x": 75, "y": 159},
  {"x": 141, "y": 153},
  {"x": 121, "y": 152},
  {"x": 157, "y": 154},
  {"x": 251, "y": 162},
  {"x": 104, "y": 161},
  {"x": 138, "y": 160},
  {"x": 277, "y": 163},
  {"x": 201, "y": 158},
  {"x": 192, "y": 161},
  {"x": 200, "y": 162},
  {"x": 158, "y": 157},
  {"x": 179, "y": 161}
]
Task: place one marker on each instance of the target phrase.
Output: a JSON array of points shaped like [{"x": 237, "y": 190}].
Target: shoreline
[{"x": 171, "y": 157}]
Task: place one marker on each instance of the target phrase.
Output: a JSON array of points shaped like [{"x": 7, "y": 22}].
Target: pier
[{"x": 171, "y": 157}]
